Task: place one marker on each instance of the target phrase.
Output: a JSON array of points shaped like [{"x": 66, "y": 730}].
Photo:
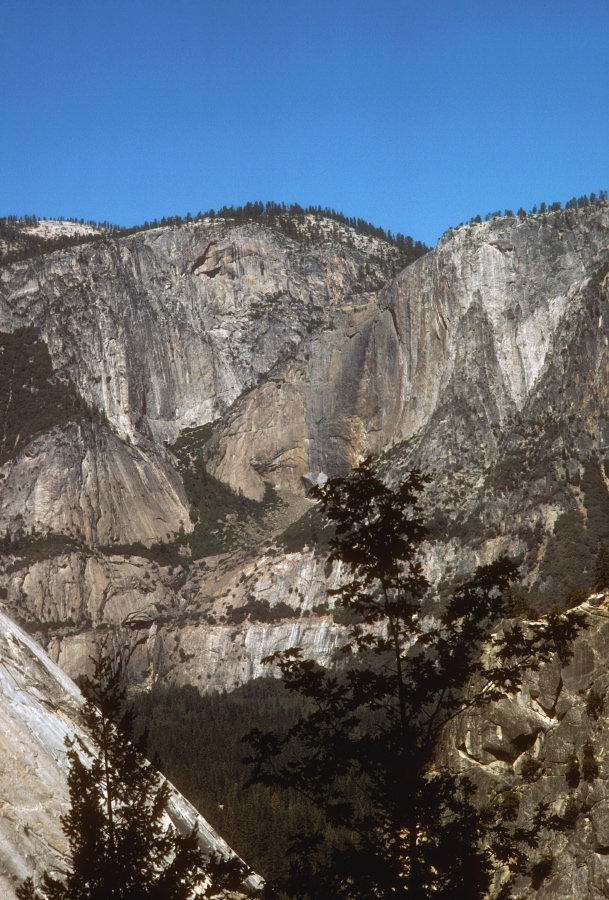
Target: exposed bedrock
[
  {"x": 164, "y": 329},
  {"x": 451, "y": 348},
  {"x": 39, "y": 709},
  {"x": 84, "y": 481},
  {"x": 524, "y": 744}
]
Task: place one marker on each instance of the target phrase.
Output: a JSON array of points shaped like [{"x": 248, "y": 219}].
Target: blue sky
[{"x": 413, "y": 115}]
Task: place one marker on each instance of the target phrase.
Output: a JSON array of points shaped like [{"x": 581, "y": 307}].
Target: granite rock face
[
  {"x": 452, "y": 365},
  {"x": 485, "y": 362},
  {"x": 524, "y": 744},
  {"x": 84, "y": 481},
  {"x": 443, "y": 356},
  {"x": 39, "y": 709},
  {"x": 183, "y": 635},
  {"x": 166, "y": 328}
]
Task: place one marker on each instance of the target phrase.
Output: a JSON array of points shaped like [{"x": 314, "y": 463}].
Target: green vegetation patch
[
  {"x": 32, "y": 399},
  {"x": 162, "y": 553},
  {"x": 311, "y": 530},
  {"x": 569, "y": 561},
  {"x": 190, "y": 440},
  {"x": 220, "y": 515},
  {"x": 29, "y": 548},
  {"x": 260, "y": 610},
  {"x": 198, "y": 740}
]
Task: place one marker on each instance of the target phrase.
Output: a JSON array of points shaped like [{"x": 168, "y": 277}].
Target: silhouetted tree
[
  {"x": 121, "y": 844},
  {"x": 374, "y": 724}
]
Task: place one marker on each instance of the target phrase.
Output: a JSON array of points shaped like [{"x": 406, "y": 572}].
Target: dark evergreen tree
[
  {"x": 373, "y": 726},
  {"x": 121, "y": 846},
  {"x": 601, "y": 569}
]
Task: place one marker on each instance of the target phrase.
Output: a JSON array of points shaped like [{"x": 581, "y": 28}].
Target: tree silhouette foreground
[
  {"x": 398, "y": 822},
  {"x": 122, "y": 844}
]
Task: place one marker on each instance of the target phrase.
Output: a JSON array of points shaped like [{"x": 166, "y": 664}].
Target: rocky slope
[
  {"x": 156, "y": 331},
  {"x": 83, "y": 480},
  {"x": 447, "y": 351},
  {"x": 166, "y": 328},
  {"x": 39, "y": 709},
  {"x": 534, "y": 746},
  {"x": 185, "y": 635}
]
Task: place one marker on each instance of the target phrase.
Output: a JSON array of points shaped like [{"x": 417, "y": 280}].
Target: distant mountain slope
[
  {"x": 483, "y": 362},
  {"x": 26, "y": 238},
  {"x": 277, "y": 356}
]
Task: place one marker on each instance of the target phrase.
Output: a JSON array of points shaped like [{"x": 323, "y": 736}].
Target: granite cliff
[
  {"x": 274, "y": 357},
  {"x": 483, "y": 362},
  {"x": 533, "y": 748}
]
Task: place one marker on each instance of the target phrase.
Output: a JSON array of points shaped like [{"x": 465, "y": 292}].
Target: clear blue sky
[{"x": 413, "y": 115}]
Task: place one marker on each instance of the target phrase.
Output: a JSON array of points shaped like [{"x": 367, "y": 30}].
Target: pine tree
[
  {"x": 601, "y": 569},
  {"x": 373, "y": 726},
  {"x": 121, "y": 844}
]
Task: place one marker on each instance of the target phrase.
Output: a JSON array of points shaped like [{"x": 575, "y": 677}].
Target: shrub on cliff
[{"x": 32, "y": 398}]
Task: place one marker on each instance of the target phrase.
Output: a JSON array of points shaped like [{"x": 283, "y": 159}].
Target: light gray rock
[
  {"x": 39, "y": 708},
  {"x": 83, "y": 480},
  {"x": 484, "y": 362},
  {"x": 166, "y": 328},
  {"x": 452, "y": 347},
  {"x": 176, "y": 638}
]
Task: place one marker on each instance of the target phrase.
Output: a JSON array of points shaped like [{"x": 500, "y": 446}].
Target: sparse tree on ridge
[{"x": 601, "y": 569}]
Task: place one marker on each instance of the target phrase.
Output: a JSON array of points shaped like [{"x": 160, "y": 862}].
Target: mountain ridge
[
  {"x": 298, "y": 364},
  {"x": 236, "y": 352}
]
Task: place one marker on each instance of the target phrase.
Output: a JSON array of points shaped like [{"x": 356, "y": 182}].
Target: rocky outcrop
[
  {"x": 224, "y": 657},
  {"x": 39, "y": 709},
  {"x": 485, "y": 362},
  {"x": 166, "y": 328},
  {"x": 84, "y": 481},
  {"x": 181, "y": 632},
  {"x": 439, "y": 368},
  {"x": 526, "y": 745},
  {"x": 80, "y": 588},
  {"x": 482, "y": 362}
]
